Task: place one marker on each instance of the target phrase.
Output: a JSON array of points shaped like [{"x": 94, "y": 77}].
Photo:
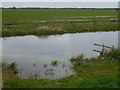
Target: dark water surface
[{"x": 31, "y": 53}]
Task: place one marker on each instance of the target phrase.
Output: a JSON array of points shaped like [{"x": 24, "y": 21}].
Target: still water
[{"x": 33, "y": 53}]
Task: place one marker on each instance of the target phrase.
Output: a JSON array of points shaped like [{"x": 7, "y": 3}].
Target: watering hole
[{"x": 34, "y": 54}]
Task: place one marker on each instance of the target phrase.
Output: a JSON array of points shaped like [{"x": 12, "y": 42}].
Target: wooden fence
[{"x": 103, "y": 48}]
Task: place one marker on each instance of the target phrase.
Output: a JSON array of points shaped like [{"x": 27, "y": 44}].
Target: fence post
[
  {"x": 102, "y": 50},
  {"x": 112, "y": 47}
]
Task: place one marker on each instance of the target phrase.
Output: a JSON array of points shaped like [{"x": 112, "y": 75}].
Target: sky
[
  {"x": 59, "y": 0},
  {"x": 61, "y": 3}
]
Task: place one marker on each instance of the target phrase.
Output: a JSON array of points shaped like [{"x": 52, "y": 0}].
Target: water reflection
[
  {"x": 43, "y": 37},
  {"x": 34, "y": 54}
]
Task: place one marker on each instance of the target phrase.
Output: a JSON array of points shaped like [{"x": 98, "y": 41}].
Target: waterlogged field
[
  {"x": 46, "y": 22},
  {"x": 68, "y": 59}
]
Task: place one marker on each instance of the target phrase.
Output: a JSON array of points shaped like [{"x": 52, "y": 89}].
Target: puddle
[
  {"x": 113, "y": 19},
  {"x": 72, "y": 19},
  {"x": 68, "y": 20},
  {"x": 89, "y": 16}
]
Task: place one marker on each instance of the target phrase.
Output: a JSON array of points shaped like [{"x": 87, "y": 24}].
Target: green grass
[
  {"x": 99, "y": 72},
  {"x": 28, "y": 16},
  {"x": 93, "y": 81},
  {"x": 22, "y": 22}
]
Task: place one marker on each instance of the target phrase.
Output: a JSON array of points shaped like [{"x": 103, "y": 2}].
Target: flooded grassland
[{"x": 46, "y": 49}]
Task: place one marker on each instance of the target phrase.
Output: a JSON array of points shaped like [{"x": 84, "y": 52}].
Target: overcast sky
[
  {"x": 61, "y": 3},
  {"x": 59, "y": 0}
]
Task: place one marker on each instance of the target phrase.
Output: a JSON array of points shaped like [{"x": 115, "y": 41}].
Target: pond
[{"x": 34, "y": 54}]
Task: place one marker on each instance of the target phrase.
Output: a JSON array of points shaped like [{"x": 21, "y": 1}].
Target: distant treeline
[{"x": 63, "y": 8}]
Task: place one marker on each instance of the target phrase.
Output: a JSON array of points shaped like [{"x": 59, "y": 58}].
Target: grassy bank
[
  {"x": 48, "y": 22},
  {"x": 99, "y": 72}
]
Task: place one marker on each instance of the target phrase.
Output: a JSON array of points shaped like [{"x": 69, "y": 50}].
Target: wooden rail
[{"x": 104, "y": 46}]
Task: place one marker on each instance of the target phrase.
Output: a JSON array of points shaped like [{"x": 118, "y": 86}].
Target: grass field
[
  {"x": 47, "y": 22},
  {"x": 99, "y": 72}
]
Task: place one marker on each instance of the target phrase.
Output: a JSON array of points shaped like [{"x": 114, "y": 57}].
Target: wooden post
[
  {"x": 103, "y": 50},
  {"x": 112, "y": 47}
]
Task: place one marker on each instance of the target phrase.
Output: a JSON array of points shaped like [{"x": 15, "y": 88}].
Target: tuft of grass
[
  {"x": 77, "y": 60},
  {"x": 45, "y": 65},
  {"x": 11, "y": 67},
  {"x": 54, "y": 63},
  {"x": 79, "y": 57},
  {"x": 43, "y": 28},
  {"x": 112, "y": 54}
]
